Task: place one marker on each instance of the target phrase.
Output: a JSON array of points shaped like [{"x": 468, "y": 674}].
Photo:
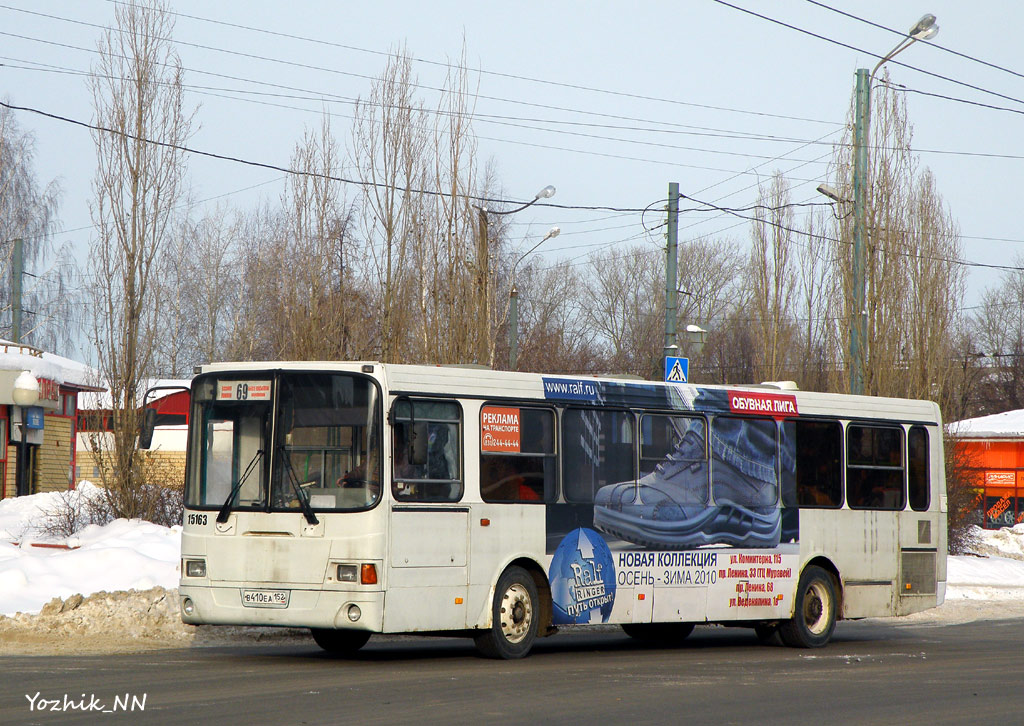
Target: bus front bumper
[{"x": 281, "y": 607}]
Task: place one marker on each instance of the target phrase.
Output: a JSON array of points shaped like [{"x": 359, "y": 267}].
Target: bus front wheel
[
  {"x": 514, "y": 617},
  {"x": 340, "y": 642},
  {"x": 814, "y": 613}
]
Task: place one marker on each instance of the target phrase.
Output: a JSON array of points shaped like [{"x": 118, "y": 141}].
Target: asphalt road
[{"x": 873, "y": 672}]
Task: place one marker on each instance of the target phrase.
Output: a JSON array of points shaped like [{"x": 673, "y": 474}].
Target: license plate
[{"x": 265, "y": 598}]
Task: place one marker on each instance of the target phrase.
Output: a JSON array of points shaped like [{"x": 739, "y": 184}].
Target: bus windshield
[{"x": 320, "y": 451}]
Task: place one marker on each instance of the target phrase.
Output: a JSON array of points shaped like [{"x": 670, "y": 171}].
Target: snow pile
[
  {"x": 105, "y": 588},
  {"x": 102, "y": 621},
  {"x": 36, "y": 567},
  {"x": 27, "y": 517},
  {"x": 1005, "y": 542}
]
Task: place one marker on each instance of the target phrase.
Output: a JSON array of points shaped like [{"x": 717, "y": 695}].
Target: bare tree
[
  {"x": 390, "y": 139},
  {"x": 198, "y": 290},
  {"x": 553, "y": 335},
  {"x": 137, "y": 94},
  {"x": 913, "y": 284},
  {"x": 709, "y": 279},
  {"x": 255, "y": 261},
  {"x": 28, "y": 212},
  {"x": 454, "y": 325},
  {"x": 319, "y": 298},
  {"x": 816, "y": 367},
  {"x": 999, "y": 333},
  {"x": 624, "y": 308},
  {"x": 773, "y": 277}
]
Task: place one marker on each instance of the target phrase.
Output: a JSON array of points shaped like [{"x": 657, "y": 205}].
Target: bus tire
[
  {"x": 340, "y": 642},
  {"x": 514, "y": 617},
  {"x": 814, "y": 613},
  {"x": 667, "y": 634}
]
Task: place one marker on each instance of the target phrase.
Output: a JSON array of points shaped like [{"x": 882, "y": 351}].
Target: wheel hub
[{"x": 516, "y": 613}]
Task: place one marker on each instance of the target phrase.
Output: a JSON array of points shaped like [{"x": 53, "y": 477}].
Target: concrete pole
[
  {"x": 670, "y": 269},
  {"x": 858, "y": 317},
  {"x": 513, "y": 328},
  {"x": 484, "y": 307},
  {"x": 17, "y": 272}
]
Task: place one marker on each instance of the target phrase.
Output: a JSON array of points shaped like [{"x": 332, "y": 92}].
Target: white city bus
[{"x": 361, "y": 498}]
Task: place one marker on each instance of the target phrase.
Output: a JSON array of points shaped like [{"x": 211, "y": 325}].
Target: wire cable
[
  {"x": 870, "y": 53},
  {"x": 931, "y": 44}
]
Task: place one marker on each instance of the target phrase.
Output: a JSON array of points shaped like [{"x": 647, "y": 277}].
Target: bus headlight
[
  {"x": 354, "y": 613},
  {"x": 348, "y": 573},
  {"x": 187, "y": 606},
  {"x": 195, "y": 568}
]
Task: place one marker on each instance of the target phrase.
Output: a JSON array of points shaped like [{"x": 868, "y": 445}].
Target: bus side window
[
  {"x": 598, "y": 448},
  {"x": 517, "y": 454},
  {"x": 426, "y": 451},
  {"x": 744, "y": 466},
  {"x": 874, "y": 467},
  {"x": 917, "y": 468},
  {"x": 817, "y": 479}
]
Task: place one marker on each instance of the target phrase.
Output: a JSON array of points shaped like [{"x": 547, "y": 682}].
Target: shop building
[
  {"x": 39, "y": 395},
  {"x": 165, "y": 459},
  {"x": 993, "y": 446}
]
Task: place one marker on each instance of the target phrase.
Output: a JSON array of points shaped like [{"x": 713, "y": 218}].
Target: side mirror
[{"x": 146, "y": 432}]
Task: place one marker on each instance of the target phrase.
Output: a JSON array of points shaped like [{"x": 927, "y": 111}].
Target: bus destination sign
[{"x": 243, "y": 390}]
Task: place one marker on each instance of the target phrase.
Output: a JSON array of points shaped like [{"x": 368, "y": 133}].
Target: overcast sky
[{"x": 712, "y": 76}]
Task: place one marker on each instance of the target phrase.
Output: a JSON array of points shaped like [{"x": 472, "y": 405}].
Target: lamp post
[
  {"x": 924, "y": 29},
  {"x": 25, "y": 394},
  {"x": 513, "y": 303},
  {"x": 695, "y": 338},
  {"x": 483, "y": 271}
]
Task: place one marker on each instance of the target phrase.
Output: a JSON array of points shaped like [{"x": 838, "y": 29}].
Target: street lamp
[
  {"x": 924, "y": 29},
  {"x": 832, "y": 194},
  {"x": 695, "y": 338},
  {"x": 483, "y": 271},
  {"x": 513, "y": 300},
  {"x": 25, "y": 394}
]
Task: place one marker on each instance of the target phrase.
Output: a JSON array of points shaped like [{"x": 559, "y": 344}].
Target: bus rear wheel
[
  {"x": 658, "y": 633},
  {"x": 340, "y": 642},
  {"x": 814, "y": 614},
  {"x": 514, "y": 617}
]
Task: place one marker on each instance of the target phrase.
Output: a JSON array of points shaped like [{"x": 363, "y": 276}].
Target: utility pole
[
  {"x": 670, "y": 269},
  {"x": 513, "y": 327},
  {"x": 924, "y": 29},
  {"x": 484, "y": 307},
  {"x": 17, "y": 271},
  {"x": 858, "y": 317}
]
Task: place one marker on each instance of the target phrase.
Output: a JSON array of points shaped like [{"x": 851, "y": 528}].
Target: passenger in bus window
[{"x": 501, "y": 480}]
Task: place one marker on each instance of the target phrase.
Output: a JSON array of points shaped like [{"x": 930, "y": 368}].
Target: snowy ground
[{"x": 114, "y": 587}]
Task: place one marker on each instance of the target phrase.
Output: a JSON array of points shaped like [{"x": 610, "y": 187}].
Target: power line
[
  {"x": 905, "y": 89},
  {"x": 931, "y": 44},
  {"x": 487, "y": 138},
  {"x": 874, "y": 55},
  {"x": 522, "y": 122},
  {"x": 448, "y": 65},
  {"x": 935, "y": 258},
  {"x": 285, "y": 170},
  {"x": 327, "y": 97},
  {"x": 310, "y": 67}
]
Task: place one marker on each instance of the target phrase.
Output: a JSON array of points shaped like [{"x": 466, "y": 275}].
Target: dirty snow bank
[
  {"x": 36, "y": 567},
  {"x": 121, "y": 621}
]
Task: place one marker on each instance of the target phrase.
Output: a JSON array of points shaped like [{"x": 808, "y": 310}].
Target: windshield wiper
[
  {"x": 307, "y": 510},
  {"x": 225, "y": 510}
]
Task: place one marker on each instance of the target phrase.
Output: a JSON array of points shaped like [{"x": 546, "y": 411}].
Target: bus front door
[{"x": 428, "y": 573}]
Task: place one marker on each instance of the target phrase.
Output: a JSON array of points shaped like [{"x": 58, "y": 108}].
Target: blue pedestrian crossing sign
[{"x": 677, "y": 370}]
